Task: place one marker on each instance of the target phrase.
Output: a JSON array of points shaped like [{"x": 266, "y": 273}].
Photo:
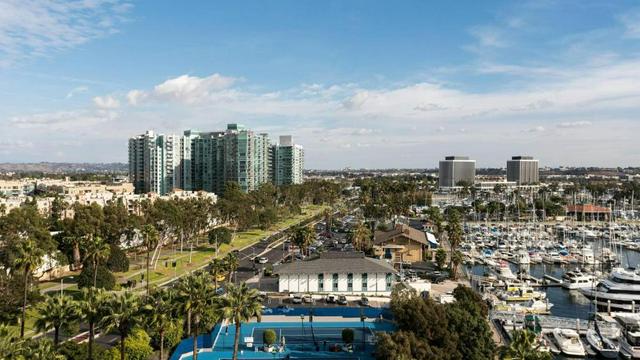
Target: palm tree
[
  {"x": 28, "y": 257},
  {"x": 161, "y": 314},
  {"x": 151, "y": 238},
  {"x": 360, "y": 237},
  {"x": 218, "y": 267},
  {"x": 91, "y": 310},
  {"x": 96, "y": 251},
  {"x": 57, "y": 312},
  {"x": 196, "y": 293},
  {"x": 303, "y": 236},
  {"x": 10, "y": 344},
  {"x": 122, "y": 312},
  {"x": 523, "y": 347},
  {"x": 240, "y": 305},
  {"x": 232, "y": 262}
]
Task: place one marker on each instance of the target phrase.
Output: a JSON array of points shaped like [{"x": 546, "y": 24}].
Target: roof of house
[
  {"x": 587, "y": 208},
  {"x": 407, "y": 231},
  {"x": 336, "y": 262}
]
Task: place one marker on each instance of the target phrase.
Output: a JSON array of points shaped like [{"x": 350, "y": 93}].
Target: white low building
[{"x": 337, "y": 273}]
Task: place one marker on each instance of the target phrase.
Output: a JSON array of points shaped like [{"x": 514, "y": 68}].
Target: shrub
[
  {"x": 269, "y": 337},
  {"x": 104, "y": 278},
  {"x": 348, "y": 335},
  {"x": 137, "y": 346},
  {"x": 118, "y": 260}
]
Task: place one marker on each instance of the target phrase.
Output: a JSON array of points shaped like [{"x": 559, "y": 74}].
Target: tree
[
  {"x": 456, "y": 260},
  {"x": 104, "y": 279},
  {"x": 361, "y": 237},
  {"x": 57, "y": 313},
  {"x": 136, "y": 346},
  {"x": 219, "y": 236},
  {"x": 91, "y": 306},
  {"x": 454, "y": 235},
  {"x": 523, "y": 346},
  {"x": 348, "y": 335},
  {"x": 232, "y": 263},
  {"x": 151, "y": 238},
  {"x": 197, "y": 297},
  {"x": 122, "y": 313},
  {"x": 40, "y": 349},
  {"x": 118, "y": 260},
  {"x": 238, "y": 306},
  {"x": 303, "y": 236},
  {"x": 161, "y": 315},
  {"x": 28, "y": 257},
  {"x": 269, "y": 337},
  {"x": 217, "y": 268},
  {"x": 10, "y": 344},
  {"x": 96, "y": 251},
  {"x": 441, "y": 258}
]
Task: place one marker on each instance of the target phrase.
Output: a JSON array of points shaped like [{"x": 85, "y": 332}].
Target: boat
[
  {"x": 568, "y": 342},
  {"x": 604, "y": 346},
  {"x": 504, "y": 271},
  {"x": 576, "y": 279},
  {"x": 620, "y": 291},
  {"x": 521, "y": 293},
  {"x": 522, "y": 258},
  {"x": 630, "y": 336}
]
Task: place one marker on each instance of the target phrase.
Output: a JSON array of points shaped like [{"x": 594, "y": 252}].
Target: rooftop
[
  {"x": 334, "y": 261},
  {"x": 400, "y": 230}
]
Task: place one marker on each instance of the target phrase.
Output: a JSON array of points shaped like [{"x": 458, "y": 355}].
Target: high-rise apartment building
[
  {"x": 204, "y": 160},
  {"x": 455, "y": 170},
  {"x": 523, "y": 170},
  {"x": 288, "y": 162}
]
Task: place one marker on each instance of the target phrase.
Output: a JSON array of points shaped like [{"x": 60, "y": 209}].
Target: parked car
[
  {"x": 307, "y": 299},
  {"x": 296, "y": 299},
  {"x": 331, "y": 299},
  {"x": 364, "y": 301},
  {"x": 262, "y": 260},
  {"x": 342, "y": 300}
]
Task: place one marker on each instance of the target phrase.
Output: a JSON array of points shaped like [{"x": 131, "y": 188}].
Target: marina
[{"x": 576, "y": 287}]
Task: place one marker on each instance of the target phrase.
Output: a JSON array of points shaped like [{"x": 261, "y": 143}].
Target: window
[
  {"x": 349, "y": 282},
  {"x": 364, "y": 281},
  {"x": 389, "y": 280},
  {"x": 335, "y": 282},
  {"x": 320, "y": 282}
]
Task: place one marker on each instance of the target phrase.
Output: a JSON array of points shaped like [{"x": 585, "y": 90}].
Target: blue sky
[{"x": 358, "y": 83}]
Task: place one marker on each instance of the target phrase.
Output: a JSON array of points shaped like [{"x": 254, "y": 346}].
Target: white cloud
[
  {"x": 631, "y": 22},
  {"x": 574, "y": 124},
  {"x": 193, "y": 89},
  {"x": 76, "y": 90},
  {"x": 63, "y": 120},
  {"x": 31, "y": 28},
  {"x": 106, "y": 102},
  {"x": 489, "y": 36},
  {"x": 535, "y": 129},
  {"x": 135, "y": 97}
]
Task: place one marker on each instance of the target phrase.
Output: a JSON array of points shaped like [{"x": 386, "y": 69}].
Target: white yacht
[
  {"x": 630, "y": 336},
  {"x": 576, "y": 279},
  {"x": 621, "y": 291},
  {"x": 522, "y": 258},
  {"x": 568, "y": 342},
  {"x": 504, "y": 271}
]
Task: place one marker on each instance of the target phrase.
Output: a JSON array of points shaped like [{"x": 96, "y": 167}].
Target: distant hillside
[{"x": 63, "y": 168}]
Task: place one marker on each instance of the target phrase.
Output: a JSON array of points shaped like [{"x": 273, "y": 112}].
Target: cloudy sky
[{"x": 358, "y": 83}]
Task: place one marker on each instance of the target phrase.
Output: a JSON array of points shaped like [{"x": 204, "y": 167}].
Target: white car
[
  {"x": 296, "y": 299},
  {"x": 262, "y": 260}
]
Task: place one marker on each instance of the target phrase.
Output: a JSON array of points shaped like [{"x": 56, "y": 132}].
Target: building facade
[
  {"x": 337, "y": 273},
  {"x": 402, "y": 244},
  {"x": 455, "y": 170},
  {"x": 288, "y": 162},
  {"x": 523, "y": 170},
  {"x": 208, "y": 160}
]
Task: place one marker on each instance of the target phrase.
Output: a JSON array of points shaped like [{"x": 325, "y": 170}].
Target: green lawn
[{"x": 204, "y": 254}]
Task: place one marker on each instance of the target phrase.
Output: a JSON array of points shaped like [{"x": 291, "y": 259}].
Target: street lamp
[{"x": 302, "y": 327}]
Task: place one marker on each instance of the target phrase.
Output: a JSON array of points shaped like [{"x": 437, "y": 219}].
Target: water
[{"x": 566, "y": 303}]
